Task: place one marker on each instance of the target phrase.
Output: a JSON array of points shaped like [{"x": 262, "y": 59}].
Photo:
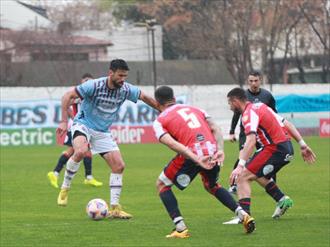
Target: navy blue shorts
[
  {"x": 270, "y": 159},
  {"x": 181, "y": 172}
]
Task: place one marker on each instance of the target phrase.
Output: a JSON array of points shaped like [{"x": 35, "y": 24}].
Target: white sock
[
  {"x": 71, "y": 169},
  {"x": 56, "y": 173},
  {"x": 115, "y": 183},
  {"x": 179, "y": 224},
  {"x": 89, "y": 177},
  {"x": 240, "y": 212}
]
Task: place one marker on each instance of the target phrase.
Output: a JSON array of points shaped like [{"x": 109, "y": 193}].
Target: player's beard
[{"x": 117, "y": 84}]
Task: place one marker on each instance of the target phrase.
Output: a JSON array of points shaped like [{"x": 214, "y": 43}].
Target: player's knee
[
  {"x": 159, "y": 185},
  {"x": 79, "y": 153},
  {"x": 118, "y": 167},
  {"x": 68, "y": 152},
  {"x": 211, "y": 188}
]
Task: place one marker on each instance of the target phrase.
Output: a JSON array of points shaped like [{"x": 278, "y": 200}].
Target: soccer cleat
[
  {"x": 282, "y": 206},
  {"x": 62, "y": 199},
  {"x": 234, "y": 221},
  {"x": 116, "y": 212},
  {"x": 177, "y": 234},
  {"x": 52, "y": 179},
  {"x": 93, "y": 182},
  {"x": 249, "y": 224},
  {"x": 233, "y": 189}
]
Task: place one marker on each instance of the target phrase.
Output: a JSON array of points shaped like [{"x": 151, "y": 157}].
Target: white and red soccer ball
[{"x": 97, "y": 209}]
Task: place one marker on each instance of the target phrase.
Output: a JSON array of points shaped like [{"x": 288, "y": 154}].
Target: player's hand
[
  {"x": 308, "y": 154},
  {"x": 62, "y": 128},
  {"x": 235, "y": 174},
  {"x": 232, "y": 138},
  {"x": 218, "y": 158},
  {"x": 206, "y": 162}
]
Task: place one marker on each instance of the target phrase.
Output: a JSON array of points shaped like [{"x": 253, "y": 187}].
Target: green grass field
[{"x": 30, "y": 216}]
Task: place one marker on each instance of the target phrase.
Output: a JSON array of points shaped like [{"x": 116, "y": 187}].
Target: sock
[
  {"x": 71, "y": 169},
  {"x": 89, "y": 177},
  {"x": 272, "y": 190},
  {"x": 240, "y": 213},
  {"x": 115, "y": 183},
  {"x": 56, "y": 173},
  {"x": 245, "y": 204},
  {"x": 88, "y": 166},
  {"x": 171, "y": 205},
  {"x": 225, "y": 198},
  {"x": 61, "y": 162}
]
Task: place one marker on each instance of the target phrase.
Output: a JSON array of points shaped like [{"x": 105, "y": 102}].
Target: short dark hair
[
  {"x": 255, "y": 73},
  {"x": 87, "y": 75},
  {"x": 164, "y": 94},
  {"x": 118, "y": 64},
  {"x": 238, "y": 93}
]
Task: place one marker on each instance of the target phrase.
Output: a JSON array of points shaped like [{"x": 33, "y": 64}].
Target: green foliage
[{"x": 30, "y": 216}]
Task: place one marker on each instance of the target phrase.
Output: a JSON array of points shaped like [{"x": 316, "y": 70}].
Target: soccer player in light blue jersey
[{"x": 102, "y": 99}]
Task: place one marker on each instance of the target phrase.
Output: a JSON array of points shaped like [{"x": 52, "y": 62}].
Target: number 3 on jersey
[{"x": 190, "y": 118}]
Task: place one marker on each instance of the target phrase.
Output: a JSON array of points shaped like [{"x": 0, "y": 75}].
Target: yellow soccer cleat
[
  {"x": 116, "y": 212},
  {"x": 62, "y": 199},
  {"x": 52, "y": 179},
  {"x": 93, "y": 182},
  {"x": 249, "y": 224},
  {"x": 176, "y": 234}
]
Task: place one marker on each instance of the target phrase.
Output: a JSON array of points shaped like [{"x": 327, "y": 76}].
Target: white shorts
[{"x": 100, "y": 142}]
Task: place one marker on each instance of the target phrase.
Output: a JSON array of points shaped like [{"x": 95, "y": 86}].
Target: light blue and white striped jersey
[{"x": 100, "y": 103}]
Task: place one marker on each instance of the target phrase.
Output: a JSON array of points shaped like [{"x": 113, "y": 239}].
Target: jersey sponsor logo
[
  {"x": 288, "y": 157},
  {"x": 267, "y": 169},
  {"x": 183, "y": 180}
]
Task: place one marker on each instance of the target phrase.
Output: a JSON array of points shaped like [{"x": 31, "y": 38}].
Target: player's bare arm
[
  {"x": 169, "y": 141},
  {"x": 66, "y": 102},
  {"x": 148, "y": 100},
  {"x": 244, "y": 155},
  {"x": 306, "y": 152},
  {"x": 216, "y": 131}
]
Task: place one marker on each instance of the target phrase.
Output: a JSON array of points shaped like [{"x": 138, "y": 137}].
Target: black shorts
[
  {"x": 181, "y": 172},
  {"x": 270, "y": 159}
]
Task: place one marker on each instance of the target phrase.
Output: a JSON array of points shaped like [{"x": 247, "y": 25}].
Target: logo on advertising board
[
  {"x": 33, "y": 122},
  {"x": 325, "y": 127}
]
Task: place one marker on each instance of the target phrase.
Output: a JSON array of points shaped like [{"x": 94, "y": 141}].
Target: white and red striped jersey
[
  {"x": 265, "y": 123},
  {"x": 187, "y": 125}
]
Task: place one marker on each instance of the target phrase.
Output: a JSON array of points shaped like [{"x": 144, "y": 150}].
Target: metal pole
[{"x": 154, "y": 57}]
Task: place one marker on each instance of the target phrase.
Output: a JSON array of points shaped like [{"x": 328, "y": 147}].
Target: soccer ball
[{"x": 97, "y": 209}]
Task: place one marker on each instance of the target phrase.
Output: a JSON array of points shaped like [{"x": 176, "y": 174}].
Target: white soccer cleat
[{"x": 234, "y": 221}]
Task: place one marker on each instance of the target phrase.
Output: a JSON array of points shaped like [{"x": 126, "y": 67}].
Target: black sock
[
  {"x": 61, "y": 162},
  {"x": 226, "y": 199},
  {"x": 272, "y": 190},
  {"x": 170, "y": 203},
  {"x": 245, "y": 204},
  {"x": 88, "y": 166}
]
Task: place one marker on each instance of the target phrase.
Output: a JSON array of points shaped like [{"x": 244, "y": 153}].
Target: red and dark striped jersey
[{"x": 265, "y": 123}]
